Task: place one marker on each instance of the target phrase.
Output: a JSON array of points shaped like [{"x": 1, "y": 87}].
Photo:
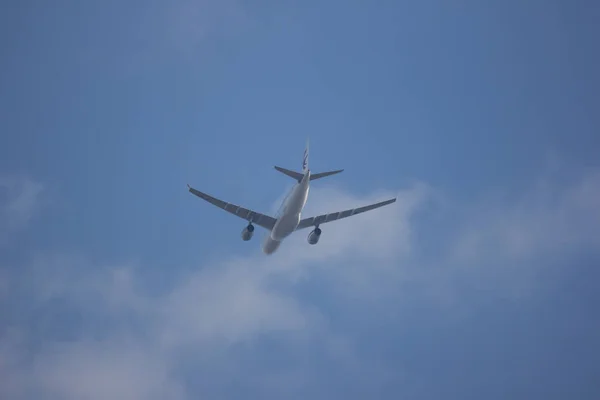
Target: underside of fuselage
[
  {"x": 285, "y": 226},
  {"x": 270, "y": 245},
  {"x": 290, "y": 218}
]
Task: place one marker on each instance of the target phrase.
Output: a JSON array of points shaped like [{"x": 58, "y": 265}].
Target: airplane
[{"x": 288, "y": 219}]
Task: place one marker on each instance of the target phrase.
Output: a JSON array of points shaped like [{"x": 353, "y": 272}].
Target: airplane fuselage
[{"x": 289, "y": 218}]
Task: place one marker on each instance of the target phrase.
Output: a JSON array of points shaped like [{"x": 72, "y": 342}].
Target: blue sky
[{"x": 480, "y": 282}]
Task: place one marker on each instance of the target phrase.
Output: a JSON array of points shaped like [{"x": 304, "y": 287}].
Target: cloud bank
[{"x": 300, "y": 323}]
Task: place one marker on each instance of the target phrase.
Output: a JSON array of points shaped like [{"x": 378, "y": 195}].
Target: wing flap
[
  {"x": 324, "y": 218},
  {"x": 259, "y": 219}
]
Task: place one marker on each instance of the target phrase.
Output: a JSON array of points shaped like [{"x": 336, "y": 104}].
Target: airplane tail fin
[
  {"x": 305, "y": 159},
  {"x": 298, "y": 176}
]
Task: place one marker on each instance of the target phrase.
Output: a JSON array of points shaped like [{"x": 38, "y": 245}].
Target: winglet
[{"x": 188, "y": 185}]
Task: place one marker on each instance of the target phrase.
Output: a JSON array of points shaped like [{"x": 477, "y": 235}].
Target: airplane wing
[
  {"x": 259, "y": 219},
  {"x": 321, "y": 219}
]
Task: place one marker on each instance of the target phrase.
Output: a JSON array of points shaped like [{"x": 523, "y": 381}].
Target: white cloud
[
  {"x": 379, "y": 233},
  {"x": 226, "y": 305},
  {"x": 214, "y": 320},
  {"x": 545, "y": 219},
  {"x": 119, "y": 369},
  {"x": 217, "y": 307},
  {"x": 20, "y": 200}
]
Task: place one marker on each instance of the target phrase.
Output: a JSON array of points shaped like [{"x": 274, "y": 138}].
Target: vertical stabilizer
[{"x": 305, "y": 159}]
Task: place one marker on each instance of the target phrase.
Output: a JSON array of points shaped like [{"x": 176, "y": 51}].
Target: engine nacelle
[
  {"x": 313, "y": 237},
  {"x": 248, "y": 232}
]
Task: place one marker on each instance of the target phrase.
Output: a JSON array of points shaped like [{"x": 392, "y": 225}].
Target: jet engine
[
  {"x": 313, "y": 237},
  {"x": 248, "y": 232}
]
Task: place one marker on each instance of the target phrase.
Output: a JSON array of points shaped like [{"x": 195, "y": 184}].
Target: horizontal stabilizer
[
  {"x": 298, "y": 176},
  {"x": 324, "y": 174}
]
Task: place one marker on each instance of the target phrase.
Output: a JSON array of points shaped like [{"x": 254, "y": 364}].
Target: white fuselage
[{"x": 290, "y": 215}]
